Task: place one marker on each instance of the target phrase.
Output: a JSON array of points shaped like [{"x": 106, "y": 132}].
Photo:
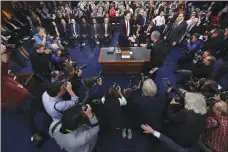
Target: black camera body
[
  {"x": 84, "y": 66},
  {"x": 188, "y": 36}
]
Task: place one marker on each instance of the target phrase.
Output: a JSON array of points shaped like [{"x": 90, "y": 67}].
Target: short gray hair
[
  {"x": 195, "y": 102},
  {"x": 156, "y": 34},
  {"x": 149, "y": 88},
  {"x": 54, "y": 47}
]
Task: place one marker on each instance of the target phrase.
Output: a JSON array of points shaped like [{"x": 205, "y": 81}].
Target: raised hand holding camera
[{"x": 87, "y": 111}]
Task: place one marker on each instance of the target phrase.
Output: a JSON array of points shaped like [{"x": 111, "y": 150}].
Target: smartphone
[{"x": 167, "y": 82}]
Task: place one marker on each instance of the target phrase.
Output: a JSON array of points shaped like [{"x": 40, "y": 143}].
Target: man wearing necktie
[
  {"x": 177, "y": 30},
  {"x": 94, "y": 34},
  {"x": 105, "y": 33},
  {"x": 75, "y": 34},
  {"x": 127, "y": 34}
]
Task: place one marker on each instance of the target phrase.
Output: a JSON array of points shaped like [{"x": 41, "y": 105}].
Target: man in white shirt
[
  {"x": 159, "y": 21},
  {"x": 53, "y": 102}
]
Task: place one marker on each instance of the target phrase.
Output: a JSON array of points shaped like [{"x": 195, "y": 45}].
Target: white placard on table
[{"x": 126, "y": 56}]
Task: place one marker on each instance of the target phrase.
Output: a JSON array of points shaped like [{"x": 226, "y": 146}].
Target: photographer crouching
[
  {"x": 201, "y": 65},
  {"x": 192, "y": 44}
]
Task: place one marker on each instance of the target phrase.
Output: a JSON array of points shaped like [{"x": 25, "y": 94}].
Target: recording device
[
  {"x": 198, "y": 57},
  {"x": 97, "y": 78},
  {"x": 179, "y": 97},
  {"x": 84, "y": 107},
  {"x": 84, "y": 66},
  {"x": 117, "y": 86},
  {"x": 188, "y": 36}
]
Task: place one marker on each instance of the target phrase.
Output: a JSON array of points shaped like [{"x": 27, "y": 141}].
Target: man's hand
[
  {"x": 69, "y": 87},
  {"x": 147, "y": 129},
  {"x": 145, "y": 32},
  {"x": 47, "y": 51},
  {"x": 45, "y": 35},
  {"x": 88, "y": 112},
  {"x": 169, "y": 90},
  {"x": 174, "y": 43},
  {"x": 217, "y": 98},
  {"x": 173, "y": 102},
  {"x": 106, "y": 34},
  {"x": 99, "y": 82},
  {"x": 3, "y": 48},
  {"x": 134, "y": 37},
  {"x": 79, "y": 72},
  {"x": 188, "y": 40},
  {"x": 59, "y": 53}
]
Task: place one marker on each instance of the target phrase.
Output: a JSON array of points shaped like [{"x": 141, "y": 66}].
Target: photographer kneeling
[
  {"x": 202, "y": 68},
  {"x": 77, "y": 131},
  {"x": 192, "y": 44}
]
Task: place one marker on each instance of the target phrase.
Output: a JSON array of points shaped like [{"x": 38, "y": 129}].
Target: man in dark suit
[
  {"x": 106, "y": 32},
  {"x": 62, "y": 29},
  {"x": 74, "y": 34},
  {"x": 158, "y": 54},
  {"x": 84, "y": 30},
  {"x": 126, "y": 31},
  {"x": 94, "y": 34},
  {"x": 177, "y": 30},
  {"x": 143, "y": 19}
]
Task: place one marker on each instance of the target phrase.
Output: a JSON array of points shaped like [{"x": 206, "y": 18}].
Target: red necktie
[{"x": 127, "y": 29}]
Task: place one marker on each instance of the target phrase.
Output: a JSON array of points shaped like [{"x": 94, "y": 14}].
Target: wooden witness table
[{"x": 129, "y": 61}]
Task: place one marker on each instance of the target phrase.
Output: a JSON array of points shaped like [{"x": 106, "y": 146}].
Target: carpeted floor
[{"x": 16, "y": 136}]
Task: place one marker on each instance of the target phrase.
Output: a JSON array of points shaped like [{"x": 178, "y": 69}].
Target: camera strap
[
  {"x": 56, "y": 108},
  {"x": 54, "y": 127}
]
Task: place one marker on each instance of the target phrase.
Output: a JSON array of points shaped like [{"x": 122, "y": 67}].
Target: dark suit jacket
[
  {"x": 202, "y": 19},
  {"x": 185, "y": 127},
  {"x": 102, "y": 30},
  {"x": 123, "y": 39},
  {"x": 177, "y": 32},
  {"x": 158, "y": 53},
  {"x": 71, "y": 30},
  {"x": 92, "y": 31},
  {"x": 61, "y": 29},
  {"x": 151, "y": 111},
  {"x": 85, "y": 29},
  {"x": 141, "y": 20}
]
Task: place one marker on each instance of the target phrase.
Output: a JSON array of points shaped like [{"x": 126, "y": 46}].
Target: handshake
[{"x": 132, "y": 38}]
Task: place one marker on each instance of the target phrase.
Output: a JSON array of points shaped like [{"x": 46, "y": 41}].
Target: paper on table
[{"x": 126, "y": 56}]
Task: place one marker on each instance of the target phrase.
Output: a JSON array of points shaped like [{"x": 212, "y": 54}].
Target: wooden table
[{"x": 114, "y": 64}]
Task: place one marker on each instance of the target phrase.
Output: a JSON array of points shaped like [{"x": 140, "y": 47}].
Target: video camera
[
  {"x": 84, "y": 66},
  {"x": 198, "y": 57},
  {"x": 117, "y": 86},
  {"x": 188, "y": 36},
  {"x": 179, "y": 95}
]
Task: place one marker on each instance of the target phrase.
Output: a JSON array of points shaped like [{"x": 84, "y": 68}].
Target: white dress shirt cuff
[
  {"x": 157, "y": 134},
  {"x": 74, "y": 99},
  {"x": 93, "y": 120}
]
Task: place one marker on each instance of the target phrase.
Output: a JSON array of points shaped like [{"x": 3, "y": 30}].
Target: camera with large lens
[
  {"x": 179, "y": 95},
  {"x": 84, "y": 66},
  {"x": 198, "y": 57},
  {"x": 188, "y": 36}
]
